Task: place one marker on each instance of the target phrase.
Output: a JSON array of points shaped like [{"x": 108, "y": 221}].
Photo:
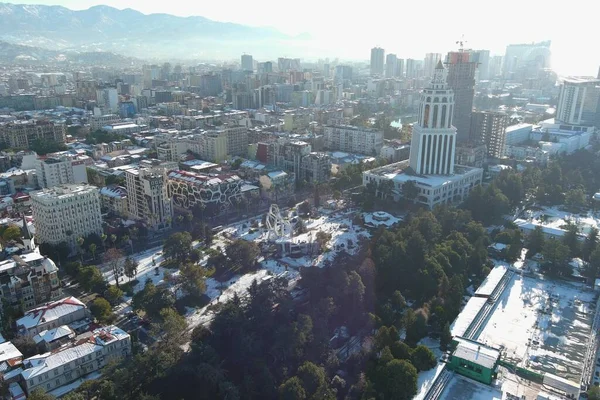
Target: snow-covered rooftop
[
  {"x": 43, "y": 363},
  {"x": 8, "y": 351},
  {"x": 476, "y": 353},
  {"x": 49, "y": 312},
  {"x": 53, "y": 334}
]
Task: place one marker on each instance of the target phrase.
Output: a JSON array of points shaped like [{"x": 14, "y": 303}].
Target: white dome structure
[{"x": 49, "y": 265}]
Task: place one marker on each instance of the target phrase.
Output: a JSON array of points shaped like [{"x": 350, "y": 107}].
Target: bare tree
[{"x": 113, "y": 258}]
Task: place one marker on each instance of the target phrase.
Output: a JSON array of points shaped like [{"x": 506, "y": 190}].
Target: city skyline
[{"x": 388, "y": 30}]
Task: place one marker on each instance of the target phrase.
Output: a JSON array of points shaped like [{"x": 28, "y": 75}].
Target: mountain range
[{"x": 132, "y": 33}]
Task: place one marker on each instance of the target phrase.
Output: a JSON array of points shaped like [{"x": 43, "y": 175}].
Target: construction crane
[{"x": 461, "y": 42}]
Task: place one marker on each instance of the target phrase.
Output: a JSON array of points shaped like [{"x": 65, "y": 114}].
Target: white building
[
  {"x": 516, "y": 134},
  {"x": 147, "y": 197},
  {"x": 353, "y": 139},
  {"x": 556, "y": 138},
  {"x": 578, "y": 101},
  {"x": 98, "y": 121},
  {"x": 431, "y": 164},
  {"x": 54, "y": 171},
  {"x": 52, "y": 315},
  {"x": 54, "y": 369},
  {"x": 65, "y": 213},
  {"x": 108, "y": 99}
]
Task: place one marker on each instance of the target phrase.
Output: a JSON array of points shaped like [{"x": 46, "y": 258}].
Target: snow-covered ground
[
  {"x": 553, "y": 217},
  {"x": 542, "y": 325},
  {"x": 146, "y": 269}
]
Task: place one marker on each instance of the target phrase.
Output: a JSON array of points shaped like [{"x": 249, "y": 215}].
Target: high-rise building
[
  {"x": 60, "y": 169},
  {"x": 265, "y": 67},
  {"x": 495, "y": 66},
  {"x": 429, "y": 63},
  {"x": 377, "y": 57},
  {"x": 431, "y": 166},
  {"x": 65, "y": 213},
  {"x": 482, "y": 58},
  {"x": 108, "y": 98},
  {"x": 147, "y": 198},
  {"x": 489, "y": 128},
  {"x": 579, "y": 101},
  {"x": 391, "y": 66},
  {"x": 247, "y": 62},
  {"x": 461, "y": 79},
  {"x": 343, "y": 74},
  {"x": 400, "y": 67},
  {"x": 434, "y": 138},
  {"x": 288, "y": 64},
  {"x": 411, "y": 68},
  {"x": 526, "y": 58}
]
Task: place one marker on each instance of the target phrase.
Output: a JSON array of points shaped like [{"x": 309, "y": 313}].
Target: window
[{"x": 58, "y": 382}]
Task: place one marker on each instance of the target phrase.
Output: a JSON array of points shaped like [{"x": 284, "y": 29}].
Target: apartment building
[
  {"x": 29, "y": 279},
  {"x": 353, "y": 139},
  {"x": 147, "y": 197},
  {"x": 489, "y": 128},
  {"x": 316, "y": 167},
  {"x": 297, "y": 157},
  {"x": 113, "y": 198},
  {"x": 213, "y": 146},
  {"x": 52, "y": 370},
  {"x": 52, "y": 315},
  {"x": 22, "y": 134},
  {"x": 67, "y": 212},
  {"x": 61, "y": 169},
  {"x": 98, "y": 121}
]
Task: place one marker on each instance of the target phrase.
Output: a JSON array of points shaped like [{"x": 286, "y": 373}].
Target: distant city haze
[{"x": 349, "y": 30}]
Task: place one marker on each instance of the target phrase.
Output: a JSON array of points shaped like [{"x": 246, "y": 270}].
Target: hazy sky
[{"x": 408, "y": 28}]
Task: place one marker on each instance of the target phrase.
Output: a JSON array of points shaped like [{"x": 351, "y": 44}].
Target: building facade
[
  {"x": 55, "y": 369},
  {"x": 391, "y": 66},
  {"x": 377, "y": 58},
  {"x": 29, "y": 279},
  {"x": 579, "y": 102},
  {"x": 489, "y": 128},
  {"x": 61, "y": 169},
  {"x": 147, "y": 197},
  {"x": 113, "y": 198},
  {"x": 52, "y": 315},
  {"x": 22, "y": 134},
  {"x": 65, "y": 213},
  {"x": 219, "y": 191},
  {"x": 461, "y": 79},
  {"x": 353, "y": 139}
]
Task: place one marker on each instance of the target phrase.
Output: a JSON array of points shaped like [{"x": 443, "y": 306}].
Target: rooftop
[
  {"x": 114, "y": 191},
  {"x": 63, "y": 192},
  {"x": 399, "y": 172},
  {"x": 476, "y": 352},
  {"x": 202, "y": 179},
  {"x": 8, "y": 351},
  {"x": 49, "y": 312},
  {"x": 43, "y": 363},
  {"x": 53, "y": 334}
]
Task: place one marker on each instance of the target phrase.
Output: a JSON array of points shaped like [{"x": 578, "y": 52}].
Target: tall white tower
[{"x": 434, "y": 138}]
